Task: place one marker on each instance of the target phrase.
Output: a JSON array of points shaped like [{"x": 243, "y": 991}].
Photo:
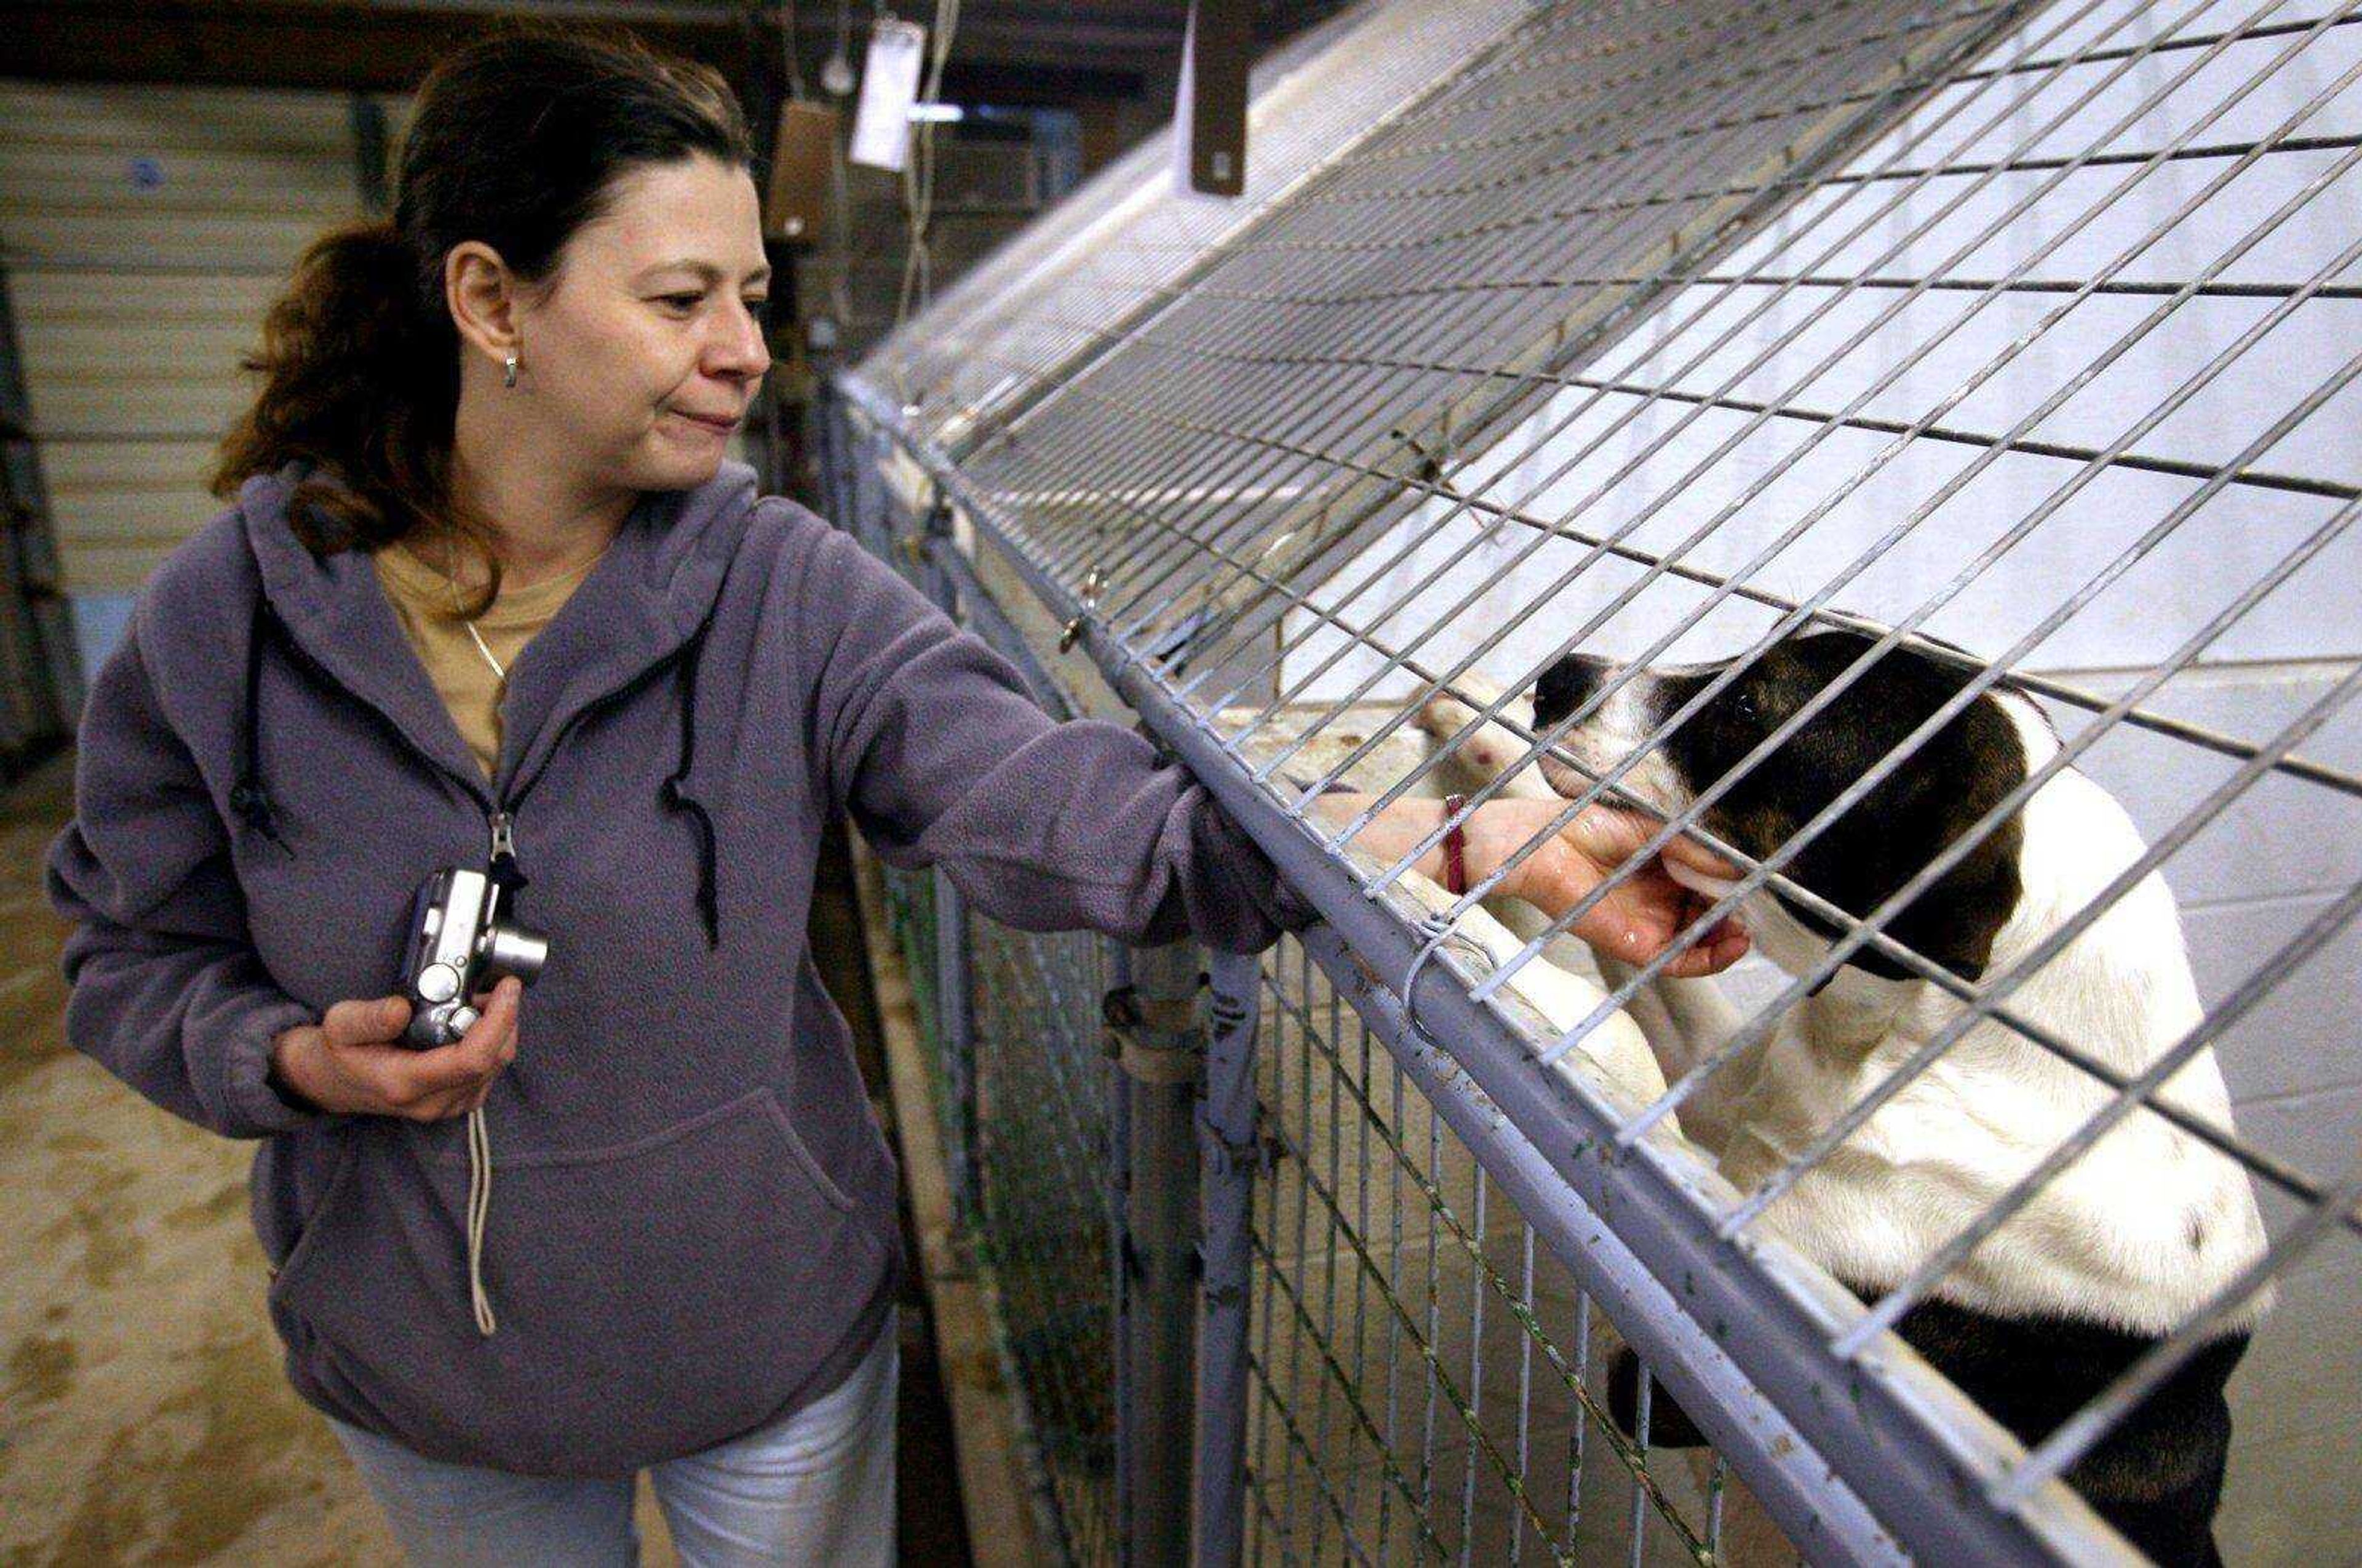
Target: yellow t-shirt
[{"x": 424, "y": 600}]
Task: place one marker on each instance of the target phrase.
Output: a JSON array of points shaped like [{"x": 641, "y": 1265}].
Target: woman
[{"x": 489, "y": 594}]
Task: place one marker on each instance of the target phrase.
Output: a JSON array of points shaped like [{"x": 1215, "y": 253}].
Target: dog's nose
[{"x": 1567, "y": 685}]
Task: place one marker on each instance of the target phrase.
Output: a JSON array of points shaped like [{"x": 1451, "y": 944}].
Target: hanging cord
[
  {"x": 918, "y": 171},
  {"x": 480, "y": 1214},
  {"x": 248, "y": 797},
  {"x": 676, "y": 798},
  {"x": 480, "y": 1136},
  {"x": 791, "y": 45}
]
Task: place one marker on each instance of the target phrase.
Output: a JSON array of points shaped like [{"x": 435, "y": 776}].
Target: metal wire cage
[
  {"x": 2003, "y": 343},
  {"x": 1004, "y": 329}
]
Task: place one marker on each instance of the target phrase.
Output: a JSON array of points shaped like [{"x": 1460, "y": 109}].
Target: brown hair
[{"x": 516, "y": 141}]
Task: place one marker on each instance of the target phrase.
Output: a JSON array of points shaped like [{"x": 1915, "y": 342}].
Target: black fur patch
[
  {"x": 2158, "y": 1478},
  {"x": 1884, "y": 839}
]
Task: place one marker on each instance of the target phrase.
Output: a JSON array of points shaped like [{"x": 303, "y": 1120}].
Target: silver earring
[{"x": 508, "y": 372}]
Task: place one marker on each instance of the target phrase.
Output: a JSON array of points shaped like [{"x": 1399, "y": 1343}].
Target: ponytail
[{"x": 361, "y": 381}]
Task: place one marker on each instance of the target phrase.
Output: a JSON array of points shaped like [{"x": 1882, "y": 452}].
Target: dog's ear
[
  {"x": 1920, "y": 809},
  {"x": 1952, "y": 923}
]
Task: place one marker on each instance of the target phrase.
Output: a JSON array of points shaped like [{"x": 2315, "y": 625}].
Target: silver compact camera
[{"x": 459, "y": 944}]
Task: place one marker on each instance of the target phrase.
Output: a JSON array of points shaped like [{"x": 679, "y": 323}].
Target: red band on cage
[{"x": 1455, "y": 848}]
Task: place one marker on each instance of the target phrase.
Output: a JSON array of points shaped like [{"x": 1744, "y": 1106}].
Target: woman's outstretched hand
[
  {"x": 353, "y": 1062},
  {"x": 1635, "y": 922},
  {"x": 1642, "y": 915}
]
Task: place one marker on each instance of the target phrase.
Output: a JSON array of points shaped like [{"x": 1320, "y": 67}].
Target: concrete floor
[
  {"x": 143, "y": 1416},
  {"x": 142, "y": 1413}
]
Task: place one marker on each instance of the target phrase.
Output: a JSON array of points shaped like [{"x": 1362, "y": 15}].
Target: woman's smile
[{"x": 723, "y": 426}]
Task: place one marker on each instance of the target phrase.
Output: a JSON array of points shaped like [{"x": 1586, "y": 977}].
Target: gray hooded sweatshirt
[{"x": 692, "y": 1228}]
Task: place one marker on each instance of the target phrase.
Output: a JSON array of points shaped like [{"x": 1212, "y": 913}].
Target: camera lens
[{"x": 514, "y": 950}]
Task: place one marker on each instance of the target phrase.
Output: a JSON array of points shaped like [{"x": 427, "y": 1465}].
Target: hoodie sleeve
[
  {"x": 167, "y": 991},
  {"x": 933, "y": 744}
]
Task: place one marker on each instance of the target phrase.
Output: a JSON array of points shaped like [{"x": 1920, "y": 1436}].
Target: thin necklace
[
  {"x": 474, "y": 636},
  {"x": 479, "y": 638}
]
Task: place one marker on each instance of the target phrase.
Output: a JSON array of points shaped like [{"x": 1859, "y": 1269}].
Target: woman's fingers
[
  {"x": 354, "y": 1060},
  {"x": 1686, "y": 850},
  {"x": 1609, "y": 834},
  {"x": 1714, "y": 953},
  {"x": 1648, "y": 907},
  {"x": 449, "y": 1079},
  {"x": 1612, "y": 835},
  {"x": 372, "y": 1022},
  {"x": 1641, "y": 917}
]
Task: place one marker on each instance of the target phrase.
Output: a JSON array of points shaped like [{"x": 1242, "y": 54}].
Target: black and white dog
[{"x": 2127, "y": 1241}]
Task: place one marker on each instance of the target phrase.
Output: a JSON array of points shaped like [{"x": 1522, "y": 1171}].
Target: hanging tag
[
  {"x": 803, "y": 156},
  {"x": 1210, "y": 109},
  {"x": 889, "y": 85}
]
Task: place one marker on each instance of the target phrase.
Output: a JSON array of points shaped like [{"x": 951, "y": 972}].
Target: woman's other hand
[
  {"x": 1637, "y": 921},
  {"x": 353, "y": 1062}
]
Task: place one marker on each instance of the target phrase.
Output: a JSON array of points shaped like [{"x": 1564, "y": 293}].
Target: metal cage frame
[{"x": 1371, "y": 356}]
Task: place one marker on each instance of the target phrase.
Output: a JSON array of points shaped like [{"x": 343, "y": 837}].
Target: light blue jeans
[{"x": 815, "y": 1487}]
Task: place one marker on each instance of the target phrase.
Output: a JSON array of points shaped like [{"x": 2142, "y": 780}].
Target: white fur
[
  {"x": 1615, "y": 729},
  {"x": 1481, "y": 756},
  {"x": 1614, "y": 1049},
  {"x": 2107, "y": 1241}
]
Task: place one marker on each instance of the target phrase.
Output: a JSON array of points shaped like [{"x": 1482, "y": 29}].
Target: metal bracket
[
  {"x": 1221, "y": 1295},
  {"x": 1089, "y": 598},
  {"x": 1254, "y": 1153},
  {"x": 1123, "y": 1011},
  {"x": 1127, "y": 1016},
  {"x": 1151, "y": 1065}
]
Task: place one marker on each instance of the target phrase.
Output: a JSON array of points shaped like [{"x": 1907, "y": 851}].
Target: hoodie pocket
[
  {"x": 655, "y": 1297},
  {"x": 274, "y": 1223}
]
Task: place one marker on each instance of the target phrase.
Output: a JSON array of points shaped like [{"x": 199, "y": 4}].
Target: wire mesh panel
[
  {"x": 1043, "y": 1216},
  {"x": 1311, "y": 377},
  {"x": 1038, "y": 1224},
  {"x": 1065, "y": 287},
  {"x": 1908, "y": 450},
  {"x": 1426, "y": 1380}
]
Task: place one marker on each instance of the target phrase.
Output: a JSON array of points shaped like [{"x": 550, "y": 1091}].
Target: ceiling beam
[{"x": 387, "y": 46}]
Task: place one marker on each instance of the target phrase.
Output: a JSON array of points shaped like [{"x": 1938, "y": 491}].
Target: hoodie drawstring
[
  {"x": 247, "y": 798},
  {"x": 479, "y": 1215},
  {"x": 675, "y": 798}
]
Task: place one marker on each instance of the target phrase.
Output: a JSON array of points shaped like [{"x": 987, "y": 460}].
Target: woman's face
[{"x": 648, "y": 348}]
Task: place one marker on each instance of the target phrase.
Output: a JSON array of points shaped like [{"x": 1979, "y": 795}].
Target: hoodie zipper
[
  {"x": 501, "y": 864},
  {"x": 502, "y": 818}
]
